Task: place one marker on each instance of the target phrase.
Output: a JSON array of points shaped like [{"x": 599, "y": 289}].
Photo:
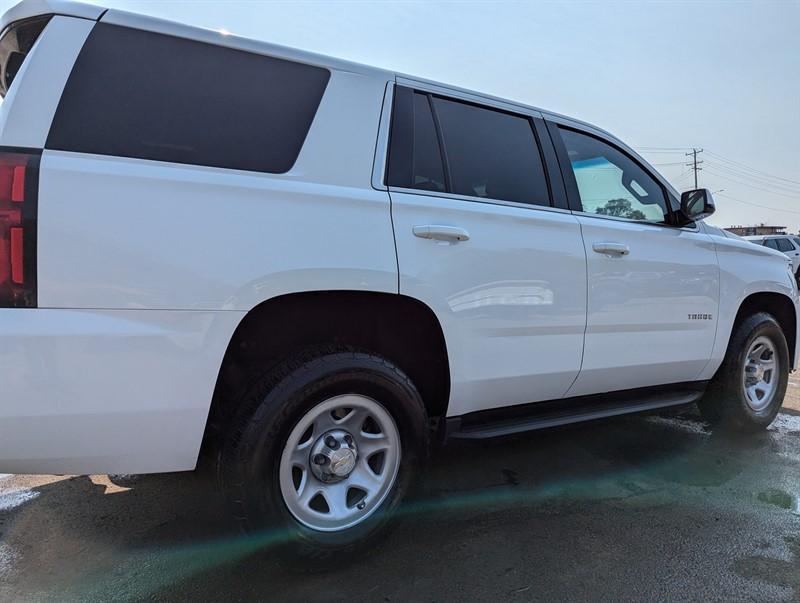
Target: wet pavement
[{"x": 633, "y": 509}]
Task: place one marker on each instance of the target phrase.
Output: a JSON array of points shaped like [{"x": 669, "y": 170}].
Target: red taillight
[
  {"x": 18, "y": 197},
  {"x": 18, "y": 183}
]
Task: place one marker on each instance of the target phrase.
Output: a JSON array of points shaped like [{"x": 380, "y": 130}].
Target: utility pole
[{"x": 695, "y": 165}]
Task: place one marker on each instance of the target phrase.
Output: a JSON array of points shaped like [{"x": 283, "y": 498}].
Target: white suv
[
  {"x": 312, "y": 269},
  {"x": 788, "y": 245}
]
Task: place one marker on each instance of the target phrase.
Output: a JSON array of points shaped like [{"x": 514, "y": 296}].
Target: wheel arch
[
  {"x": 778, "y": 305},
  {"x": 403, "y": 329}
]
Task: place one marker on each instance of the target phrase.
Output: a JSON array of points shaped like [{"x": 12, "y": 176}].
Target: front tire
[
  {"x": 748, "y": 389},
  {"x": 324, "y": 450}
]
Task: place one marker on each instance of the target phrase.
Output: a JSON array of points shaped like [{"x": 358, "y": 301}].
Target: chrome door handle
[
  {"x": 441, "y": 233},
  {"x": 611, "y": 248}
]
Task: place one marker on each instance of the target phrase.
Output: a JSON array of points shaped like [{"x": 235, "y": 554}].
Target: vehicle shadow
[{"x": 493, "y": 519}]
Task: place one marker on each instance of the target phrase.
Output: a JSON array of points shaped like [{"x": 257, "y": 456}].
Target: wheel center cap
[
  {"x": 755, "y": 373},
  {"x": 342, "y": 462},
  {"x": 333, "y": 456}
]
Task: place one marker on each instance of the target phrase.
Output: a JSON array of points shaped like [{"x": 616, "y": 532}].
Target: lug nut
[
  {"x": 320, "y": 459},
  {"x": 331, "y": 443},
  {"x": 349, "y": 439}
]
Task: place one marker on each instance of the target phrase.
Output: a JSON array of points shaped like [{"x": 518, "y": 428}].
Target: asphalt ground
[{"x": 652, "y": 508}]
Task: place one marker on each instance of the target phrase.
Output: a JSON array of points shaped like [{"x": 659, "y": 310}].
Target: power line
[
  {"x": 747, "y": 170},
  {"x": 752, "y": 169},
  {"x": 663, "y": 148},
  {"x": 788, "y": 211},
  {"x": 755, "y": 179},
  {"x": 758, "y": 188},
  {"x": 669, "y": 150}
]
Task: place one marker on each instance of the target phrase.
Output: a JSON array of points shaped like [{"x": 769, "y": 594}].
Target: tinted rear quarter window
[{"x": 140, "y": 94}]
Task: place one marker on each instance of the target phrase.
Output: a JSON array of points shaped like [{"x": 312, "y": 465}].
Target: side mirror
[{"x": 697, "y": 204}]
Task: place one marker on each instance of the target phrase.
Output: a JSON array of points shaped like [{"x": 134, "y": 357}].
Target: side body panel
[
  {"x": 101, "y": 391},
  {"x": 511, "y": 300},
  {"x": 652, "y": 314},
  {"x": 131, "y": 233},
  {"x": 745, "y": 269}
]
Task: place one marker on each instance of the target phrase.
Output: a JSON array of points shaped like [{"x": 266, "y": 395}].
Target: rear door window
[
  {"x": 146, "y": 95},
  {"x": 784, "y": 245},
  {"x": 773, "y": 243},
  {"x": 491, "y": 154},
  {"x": 444, "y": 145}
]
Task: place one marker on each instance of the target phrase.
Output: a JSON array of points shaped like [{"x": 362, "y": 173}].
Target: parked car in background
[
  {"x": 310, "y": 269},
  {"x": 786, "y": 244}
]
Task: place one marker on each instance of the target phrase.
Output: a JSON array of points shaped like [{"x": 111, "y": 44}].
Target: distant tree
[{"x": 620, "y": 208}]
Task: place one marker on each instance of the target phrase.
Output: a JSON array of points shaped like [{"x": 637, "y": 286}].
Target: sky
[{"x": 665, "y": 77}]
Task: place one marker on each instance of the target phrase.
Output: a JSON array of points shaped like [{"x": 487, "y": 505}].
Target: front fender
[{"x": 746, "y": 269}]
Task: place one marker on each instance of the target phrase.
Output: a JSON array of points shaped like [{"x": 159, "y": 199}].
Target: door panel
[
  {"x": 511, "y": 298},
  {"x": 653, "y": 287},
  {"x": 652, "y": 313}
]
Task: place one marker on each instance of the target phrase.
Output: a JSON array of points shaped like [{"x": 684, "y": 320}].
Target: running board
[{"x": 542, "y": 415}]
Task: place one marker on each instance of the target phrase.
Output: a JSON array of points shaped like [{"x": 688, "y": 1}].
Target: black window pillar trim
[
  {"x": 399, "y": 164},
  {"x": 573, "y": 197},
  {"x": 547, "y": 152},
  {"x": 442, "y": 148}
]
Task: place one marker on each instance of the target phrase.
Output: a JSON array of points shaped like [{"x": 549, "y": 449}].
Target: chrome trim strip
[{"x": 692, "y": 228}]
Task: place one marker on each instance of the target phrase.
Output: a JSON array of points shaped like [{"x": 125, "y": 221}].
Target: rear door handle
[
  {"x": 611, "y": 248},
  {"x": 441, "y": 233}
]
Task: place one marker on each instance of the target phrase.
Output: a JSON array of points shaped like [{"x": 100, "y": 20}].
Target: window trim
[
  {"x": 437, "y": 126},
  {"x": 557, "y": 198},
  {"x": 482, "y": 200},
  {"x": 571, "y": 184},
  {"x": 380, "y": 160}
]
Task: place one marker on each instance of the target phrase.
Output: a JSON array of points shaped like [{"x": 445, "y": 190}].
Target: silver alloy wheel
[
  {"x": 760, "y": 375},
  {"x": 339, "y": 463}
]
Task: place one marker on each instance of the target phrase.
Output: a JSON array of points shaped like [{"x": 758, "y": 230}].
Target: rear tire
[
  {"x": 748, "y": 389},
  {"x": 282, "y": 472}
]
